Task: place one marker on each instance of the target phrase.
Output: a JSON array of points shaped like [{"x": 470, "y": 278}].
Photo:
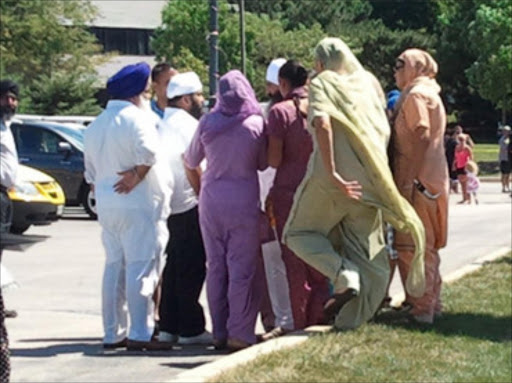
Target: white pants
[
  {"x": 134, "y": 245},
  {"x": 277, "y": 282}
]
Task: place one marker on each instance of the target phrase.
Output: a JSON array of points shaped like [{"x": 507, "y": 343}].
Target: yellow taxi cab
[{"x": 37, "y": 199}]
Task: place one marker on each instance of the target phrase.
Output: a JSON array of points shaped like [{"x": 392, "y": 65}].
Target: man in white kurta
[
  {"x": 132, "y": 200},
  {"x": 8, "y": 169},
  {"x": 181, "y": 315}
]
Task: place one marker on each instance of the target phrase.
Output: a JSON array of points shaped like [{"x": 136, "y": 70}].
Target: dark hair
[
  {"x": 158, "y": 69},
  {"x": 174, "y": 101},
  {"x": 294, "y": 72}
]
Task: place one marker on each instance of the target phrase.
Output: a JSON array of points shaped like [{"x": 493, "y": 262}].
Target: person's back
[
  {"x": 297, "y": 145},
  {"x": 111, "y": 148},
  {"x": 231, "y": 139},
  {"x": 176, "y": 132},
  {"x": 234, "y": 156}
]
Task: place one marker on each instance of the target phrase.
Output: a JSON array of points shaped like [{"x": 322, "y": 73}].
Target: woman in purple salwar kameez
[{"x": 232, "y": 140}]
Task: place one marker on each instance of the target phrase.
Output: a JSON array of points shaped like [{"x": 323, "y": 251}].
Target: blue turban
[
  {"x": 393, "y": 97},
  {"x": 129, "y": 81}
]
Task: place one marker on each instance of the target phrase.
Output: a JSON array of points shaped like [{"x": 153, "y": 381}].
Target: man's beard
[
  {"x": 196, "y": 110},
  {"x": 6, "y": 112}
]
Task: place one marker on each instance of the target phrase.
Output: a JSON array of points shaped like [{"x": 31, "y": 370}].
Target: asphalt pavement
[{"x": 57, "y": 334}]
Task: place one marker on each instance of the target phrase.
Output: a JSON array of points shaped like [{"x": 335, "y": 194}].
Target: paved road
[{"x": 57, "y": 335}]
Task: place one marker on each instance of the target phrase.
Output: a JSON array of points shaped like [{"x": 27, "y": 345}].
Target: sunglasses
[{"x": 399, "y": 65}]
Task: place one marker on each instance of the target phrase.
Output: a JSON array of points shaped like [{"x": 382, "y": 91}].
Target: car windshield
[{"x": 75, "y": 135}]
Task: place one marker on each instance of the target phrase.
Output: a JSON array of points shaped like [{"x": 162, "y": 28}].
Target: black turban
[{"x": 8, "y": 86}]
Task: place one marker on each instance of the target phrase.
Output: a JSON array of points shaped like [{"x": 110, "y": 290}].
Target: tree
[
  {"x": 63, "y": 94},
  {"x": 182, "y": 39},
  {"x": 406, "y": 14},
  {"x": 377, "y": 46},
  {"x": 490, "y": 37},
  {"x": 456, "y": 54},
  {"x": 41, "y": 40},
  {"x": 296, "y": 13}
]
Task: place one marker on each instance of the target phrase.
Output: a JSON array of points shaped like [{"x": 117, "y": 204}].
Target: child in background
[
  {"x": 473, "y": 183},
  {"x": 463, "y": 154}
]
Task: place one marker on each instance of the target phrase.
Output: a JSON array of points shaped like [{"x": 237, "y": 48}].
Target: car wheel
[
  {"x": 89, "y": 202},
  {"x": 19, "y": 229}
]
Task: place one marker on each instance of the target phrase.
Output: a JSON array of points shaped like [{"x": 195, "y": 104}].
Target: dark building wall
[{"x": 126, "y": 41}]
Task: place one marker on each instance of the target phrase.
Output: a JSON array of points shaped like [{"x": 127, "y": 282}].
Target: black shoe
[
  {"x": 220, "y": 344},
  {"x": 156, "y": 330},
  {"x": 334, "y": 304},
  {"x": 405, "y": 307},
  {"x": 152, "y": 345},
  {"x": 10, "y": 314},
  {"x": 112, "y": 346}
]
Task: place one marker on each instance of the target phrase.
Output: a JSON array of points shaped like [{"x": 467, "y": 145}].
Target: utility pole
[
  {"x": 214, "y": 52},
  {"x": 241, "y": 10}
]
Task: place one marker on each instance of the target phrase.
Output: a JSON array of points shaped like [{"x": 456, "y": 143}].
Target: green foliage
[
  {"x": 266, "y": 39},
  {"x": 294, "y": 14},
  {"x": 42, "y": 39},
  {"x": 490, "y": 36},
  {"x": 376, "y": 46},
  {"x": 455, "y": 55},
  {"x": 186, "y": 61},
  {"x": 64, "y": 93},
  {"x": 406, "y": 14},
  {"x": 470, "y": 39}
]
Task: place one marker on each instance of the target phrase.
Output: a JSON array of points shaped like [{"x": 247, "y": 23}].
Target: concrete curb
[{"x": 209, "y": 370}]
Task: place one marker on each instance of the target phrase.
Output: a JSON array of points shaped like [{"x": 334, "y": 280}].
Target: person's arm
[
  {"x": 193, "y": 176},
  {"x": 323, "y": 133},
  {"x": 131, "y": 178},
  {"x": 470, "y": 141},
  {"x": 195, "y": 154},
  {"x": 417, "y": 120},
  {"x": 275, "y": 151},
  {"x": 89, "y": 171},
  {"x": 275, "y": 129}
]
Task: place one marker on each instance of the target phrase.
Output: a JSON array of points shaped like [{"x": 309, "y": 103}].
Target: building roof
[
  {"x": 112, "y": 66},
  {"x": 137, "y": 14}
]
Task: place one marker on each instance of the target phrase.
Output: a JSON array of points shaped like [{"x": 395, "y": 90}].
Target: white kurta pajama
[{"x": 134, "y": 225}]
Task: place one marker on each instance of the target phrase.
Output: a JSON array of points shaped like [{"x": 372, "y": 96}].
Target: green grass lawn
[
  {"x": 486, "y": 152},
  {"x": 471, "y": 342}
]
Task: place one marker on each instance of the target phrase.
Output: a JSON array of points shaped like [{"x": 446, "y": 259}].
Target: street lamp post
[
  {"x": 214, "y": 52},
  {"x": 241, "y": 7}
]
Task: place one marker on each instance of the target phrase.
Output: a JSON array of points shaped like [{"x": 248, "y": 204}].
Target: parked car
[
  {"x": 37, "y": 199},
  {"x": 56, "y": 149}
]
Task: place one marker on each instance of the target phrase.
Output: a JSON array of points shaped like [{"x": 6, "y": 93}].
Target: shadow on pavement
[
  {"x": 479, "y": 326},
  {"x": 89, "y": 339},
  {"x": 57, "y": 349},
  {"x": 187, "y": 366},
  {"x": 93, "y": 347}
]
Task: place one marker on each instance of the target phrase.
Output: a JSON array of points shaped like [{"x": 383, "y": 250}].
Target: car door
[{"x": 38, "y": 147}]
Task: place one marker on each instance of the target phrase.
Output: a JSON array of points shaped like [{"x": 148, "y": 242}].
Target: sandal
[
  {"x": 275, "y": 333},
  {"x": 334, "y": 304}
]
